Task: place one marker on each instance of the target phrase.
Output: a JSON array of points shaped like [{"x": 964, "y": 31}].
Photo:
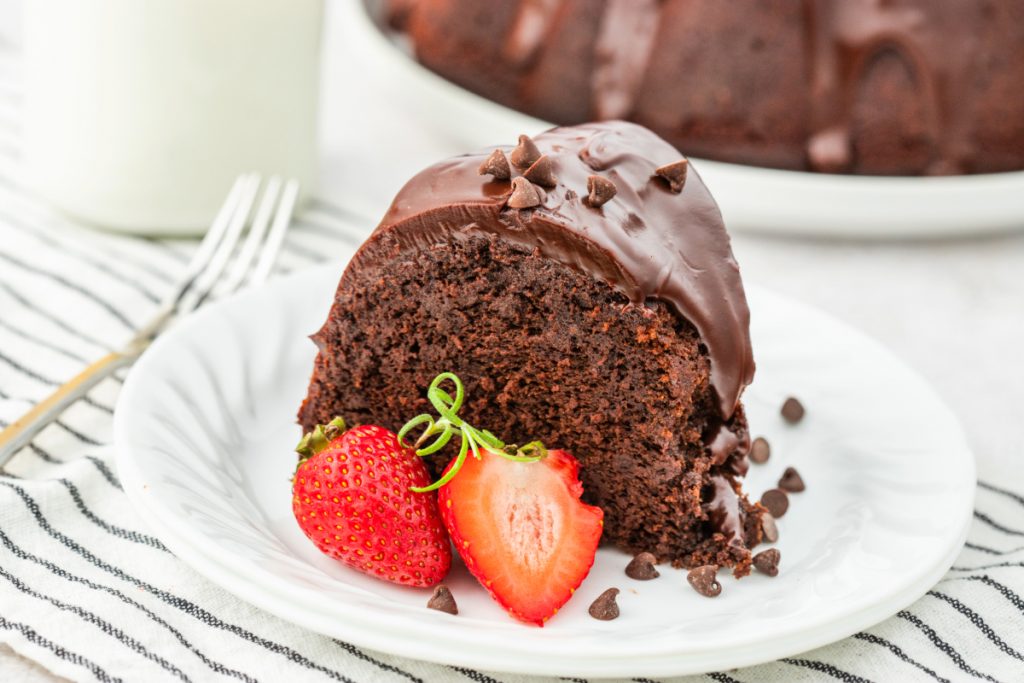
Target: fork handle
[{"x": 20, "y": 432}]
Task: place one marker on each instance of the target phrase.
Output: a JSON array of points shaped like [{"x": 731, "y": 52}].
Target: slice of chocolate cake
[{"x": 583, "y": 287}]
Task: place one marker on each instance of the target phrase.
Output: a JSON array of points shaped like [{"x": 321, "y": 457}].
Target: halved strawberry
[{"x": 522, "y": 530}]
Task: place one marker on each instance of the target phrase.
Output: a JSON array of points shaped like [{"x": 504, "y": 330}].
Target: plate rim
[
  {"x": 257, "y": 589},
  {"x": 664, "y": 666}
]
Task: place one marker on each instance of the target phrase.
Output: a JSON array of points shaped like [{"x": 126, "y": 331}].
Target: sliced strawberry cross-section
[{"x": 522, "y": 530}]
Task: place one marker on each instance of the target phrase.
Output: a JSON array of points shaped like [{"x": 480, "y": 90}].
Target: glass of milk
[{"x": 139, "y": 114}]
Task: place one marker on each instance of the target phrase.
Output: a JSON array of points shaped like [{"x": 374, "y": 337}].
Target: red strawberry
[
  {"x": 521, "y": 529},
  {"x": 351, "y": 496}
]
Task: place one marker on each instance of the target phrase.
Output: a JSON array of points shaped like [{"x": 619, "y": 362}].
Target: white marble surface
[{"x": 952, "y": 309}]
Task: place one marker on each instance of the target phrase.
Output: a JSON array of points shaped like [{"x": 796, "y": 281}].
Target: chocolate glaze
[
  {"x": 647, "y": 242},
  {"x": 962, "y": 59},
  {"x": 622, "y": 51},
  {"x": 843, "y": 38},
  {"x": 531, "y": 26},
  {"x": 723, "y": 510},
  {"x": 728, "y": 448}
]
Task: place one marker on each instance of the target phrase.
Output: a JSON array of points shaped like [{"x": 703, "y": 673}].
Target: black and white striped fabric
[{"x": 90, "y": 594}]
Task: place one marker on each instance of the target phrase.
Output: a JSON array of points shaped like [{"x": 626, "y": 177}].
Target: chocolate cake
[
  {"x": 888, "y": 87},
  {"x": 583, "y": 287}
]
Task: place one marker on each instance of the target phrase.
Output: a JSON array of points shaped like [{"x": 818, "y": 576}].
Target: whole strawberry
[{"x": 351, "y": 495}]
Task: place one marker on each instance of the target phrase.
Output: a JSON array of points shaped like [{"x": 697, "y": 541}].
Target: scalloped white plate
[
  {"x": 204, "y": 430},
  {"x": 752, "y": 199}
]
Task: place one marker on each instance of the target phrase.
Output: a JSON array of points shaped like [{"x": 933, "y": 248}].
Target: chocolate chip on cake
[
  {"x": 570, "y": 195},
  {"x": 791, "y": 481},
  {"x": 792, "y": 410},
  {"x": 496, "y": 166},
  {"x": 605, "y": 608},
  {"x": 760, "y": 450},
  {"x": 599, "y": 191},
  {"x": 525, "y": 154},
  {"x": 705, "y": 580},
  {"x": 767, "y": 561},
  {"x": 442, "y": 600},
  {"x": 675, "y": 174},
  {"x": 775, "y": 501},
  {"x": 524, "y": 195},
  {"x": 769, "y": 530},
  {"x": 642, "y": 568},
  {"x": 541, "y": 173}
]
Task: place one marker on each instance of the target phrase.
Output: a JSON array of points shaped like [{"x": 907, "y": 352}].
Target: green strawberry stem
[
  {"x": 315, "y": 441},
  {"x": 450, "y": 424}
]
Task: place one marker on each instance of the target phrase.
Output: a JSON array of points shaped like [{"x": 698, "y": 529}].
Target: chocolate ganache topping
[{"x": 652, "y": 240}]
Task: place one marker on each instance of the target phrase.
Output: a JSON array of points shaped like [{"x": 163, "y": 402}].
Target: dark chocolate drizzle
[
  {"x": 841, "y": 37},
  {"x": 844, "y": 38},
  {"x": 647, "y": 244},
  {"x": 622, "y": 52},
  {"x": 946, "y": 47},
  {"x": 531, "y": 27},
  {"x": 728, "y": 448},
  {"x": 723, "y": 510}
]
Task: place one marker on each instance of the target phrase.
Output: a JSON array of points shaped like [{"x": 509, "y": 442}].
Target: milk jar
[{"x": 140, "y": 113}]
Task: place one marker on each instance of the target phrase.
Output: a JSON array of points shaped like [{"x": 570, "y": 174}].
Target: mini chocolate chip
[
  {"x": 704, "y": 580},
  {"x": 524, "y": 194},
  {"x": 675, "y": 174},
  {"x": 605, "y": 608},
  {"x": 525, "y": 154},
  {"x": 496, "y": 165},
  {"x": 540, "y": 172},
  {"x": 775, "y": 501},
  {"x": 760, "y": 450},
  {"x": 570, "y": 195},
  {"x": 442, "y": 600},
  {"x": 767, "y": 561},
  {"x": 769, "y": 530},
  {"x": 642, "y": 568},
  {"x": 791, "y": 481},
  {"x": 600, "y": 191},
  {"x": 792, "y": 410}
]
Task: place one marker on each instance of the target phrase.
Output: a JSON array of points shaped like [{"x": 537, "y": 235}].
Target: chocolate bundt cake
[
  {"x": 583, "y": 287},
  {"x": 887, "y": 87}
]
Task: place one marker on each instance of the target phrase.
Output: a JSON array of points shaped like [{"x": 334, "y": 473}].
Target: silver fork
[{"x": 206, "y": 273}]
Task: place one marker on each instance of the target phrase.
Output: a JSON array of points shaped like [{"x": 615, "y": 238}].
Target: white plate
[
  {"x": 204, "y": 430},
  {"x": 751, "y": 198}
]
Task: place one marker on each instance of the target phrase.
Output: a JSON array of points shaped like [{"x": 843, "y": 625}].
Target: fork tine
[
  {"x": 208, "y": 246},
  {"x": 254, "y": 240},
  {"x": 236, "y": 225},
  {"x": 201, "y": 277},
  {"x": 282, "y": 219}
]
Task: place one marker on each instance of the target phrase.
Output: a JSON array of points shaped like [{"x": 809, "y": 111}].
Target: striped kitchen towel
[{"x": 89, "y": 593}]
